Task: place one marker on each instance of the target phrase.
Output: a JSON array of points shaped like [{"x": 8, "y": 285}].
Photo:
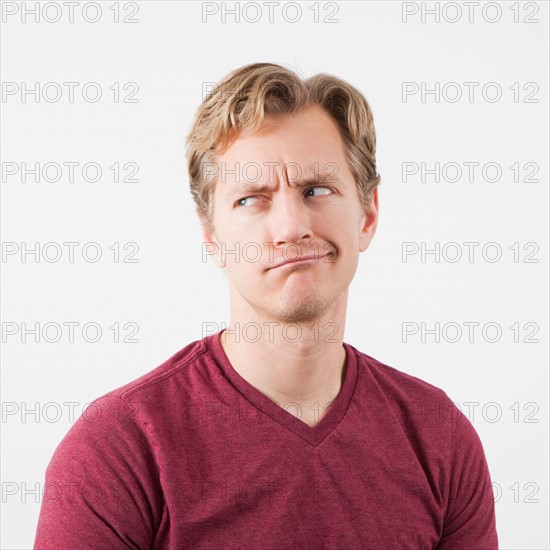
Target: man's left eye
[{"x": 327, "y": 189}]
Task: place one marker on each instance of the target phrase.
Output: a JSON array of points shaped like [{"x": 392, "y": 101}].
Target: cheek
[
  {"x": 242, "y": 258},
  {"x": 346, "y": 237}
]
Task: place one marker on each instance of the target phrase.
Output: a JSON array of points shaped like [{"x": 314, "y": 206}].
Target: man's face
[{"x": 271, "y": 205}]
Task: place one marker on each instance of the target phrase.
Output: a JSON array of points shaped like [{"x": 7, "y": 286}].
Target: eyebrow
[{"x": 244, "y": 189}]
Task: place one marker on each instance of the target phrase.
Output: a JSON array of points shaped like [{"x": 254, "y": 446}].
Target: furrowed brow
[{"x": 242, "y": 190}]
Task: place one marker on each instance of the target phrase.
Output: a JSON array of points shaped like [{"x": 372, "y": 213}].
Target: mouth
[{"x": 299, "y": 261}]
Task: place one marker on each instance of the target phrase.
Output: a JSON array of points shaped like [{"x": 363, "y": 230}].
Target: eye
[
  {"x": 240, "y": 201},
  {"x": 328, "y": 189}
]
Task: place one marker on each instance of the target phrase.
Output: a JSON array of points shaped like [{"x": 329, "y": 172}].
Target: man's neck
[{"x": 292, "y": 364}]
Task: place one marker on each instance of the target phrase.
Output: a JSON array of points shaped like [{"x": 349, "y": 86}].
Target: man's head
[
  {"x": 281, "y": 168},
  {"x": 246, "y": 96}
]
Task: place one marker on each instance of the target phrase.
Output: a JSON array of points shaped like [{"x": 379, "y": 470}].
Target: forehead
[{"x": 305, "y": 137}]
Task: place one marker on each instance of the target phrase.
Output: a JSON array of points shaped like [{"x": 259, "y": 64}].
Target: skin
[{"x": 284, "y": 221}]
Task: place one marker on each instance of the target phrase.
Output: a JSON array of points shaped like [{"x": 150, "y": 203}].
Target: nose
[{"x": 290, "y": 218}]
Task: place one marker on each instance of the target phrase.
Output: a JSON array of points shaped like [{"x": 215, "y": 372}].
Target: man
[{"x": 274, "y": 433}]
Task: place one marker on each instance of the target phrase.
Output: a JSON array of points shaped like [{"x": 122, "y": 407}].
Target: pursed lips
[{"x": 299, "y": 259}]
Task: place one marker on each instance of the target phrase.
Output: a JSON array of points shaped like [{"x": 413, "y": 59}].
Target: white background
[{"x": 172, "y": 54}]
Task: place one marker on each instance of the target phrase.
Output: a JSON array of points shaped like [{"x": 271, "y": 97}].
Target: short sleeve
[
  {"x": 470, "y": 514},
  {"x": 101, "y": 489}
]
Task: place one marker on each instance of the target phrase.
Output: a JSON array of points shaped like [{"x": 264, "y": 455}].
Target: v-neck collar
[{"x": 314, "y": 435}]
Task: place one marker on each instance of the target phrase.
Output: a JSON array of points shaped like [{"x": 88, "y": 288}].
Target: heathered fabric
[{"x": 192, "y": 456}]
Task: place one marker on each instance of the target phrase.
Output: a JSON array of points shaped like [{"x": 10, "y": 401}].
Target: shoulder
[
  {"x": 170, "y": 384},
  {"x": 398, "y": 384},
  {"x": 123, "y": 415},
  {"x": 174, "y": 366},
  {"x": 421, "y": 407},
  {"x": 433, "y": 424}
]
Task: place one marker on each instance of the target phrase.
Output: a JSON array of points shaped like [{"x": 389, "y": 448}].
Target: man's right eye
[{"x": 240, "y": 201}]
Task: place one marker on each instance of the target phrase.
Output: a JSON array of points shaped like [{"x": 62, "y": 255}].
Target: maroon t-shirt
[{"x": 192, "y": 456}]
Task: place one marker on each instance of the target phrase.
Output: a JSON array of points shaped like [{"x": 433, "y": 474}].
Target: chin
[{"x": 304, "y": 311}]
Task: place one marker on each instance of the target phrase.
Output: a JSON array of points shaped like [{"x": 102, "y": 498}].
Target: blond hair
[{"x": 245, "y": 96}]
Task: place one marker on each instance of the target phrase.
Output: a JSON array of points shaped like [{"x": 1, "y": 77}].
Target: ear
[
  {"x": 369, "y": 221},
  {"x": 211, "y": 246}
]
